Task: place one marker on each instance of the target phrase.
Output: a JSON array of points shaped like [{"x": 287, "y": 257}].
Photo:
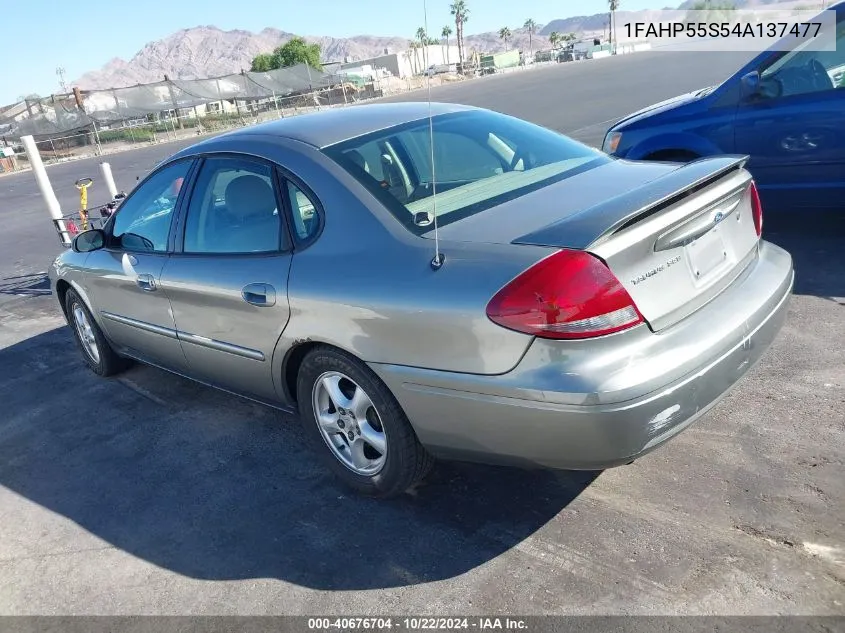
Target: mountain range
[{"x": 207, "y": 51}]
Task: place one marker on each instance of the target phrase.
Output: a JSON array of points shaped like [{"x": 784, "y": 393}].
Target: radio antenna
[{"x": 439, "y": 258}]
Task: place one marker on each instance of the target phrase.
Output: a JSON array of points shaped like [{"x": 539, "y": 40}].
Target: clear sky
[{"x": 42, "y": 35}]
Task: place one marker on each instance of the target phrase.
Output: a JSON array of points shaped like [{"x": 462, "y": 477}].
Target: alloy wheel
[
  {"x": 349, "y": 423},
  {"x": 86, "y": 333}
]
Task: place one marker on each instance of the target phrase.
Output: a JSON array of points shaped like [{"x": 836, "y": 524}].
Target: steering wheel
[{"x": 821, "y": 79}]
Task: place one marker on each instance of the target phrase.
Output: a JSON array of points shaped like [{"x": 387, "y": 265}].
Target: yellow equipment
[{"x": 82, "y": 184}]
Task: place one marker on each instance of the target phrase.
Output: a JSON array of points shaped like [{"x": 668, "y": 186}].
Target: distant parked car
[
  {"x": 785, "y": 109},
  {"x": 587, "y": 309}
]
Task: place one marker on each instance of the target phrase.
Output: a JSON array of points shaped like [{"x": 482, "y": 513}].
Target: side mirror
[
  {"x": 88, "y": 241},
  {"x": 750, "y": 85}
]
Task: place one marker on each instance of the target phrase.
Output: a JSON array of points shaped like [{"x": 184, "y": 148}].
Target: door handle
[
  {"x": 262, "y": 295},
  {"x": 147, "y": 282}
]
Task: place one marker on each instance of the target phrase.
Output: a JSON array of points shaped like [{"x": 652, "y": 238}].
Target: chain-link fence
[{"x": 93, "y": 123}]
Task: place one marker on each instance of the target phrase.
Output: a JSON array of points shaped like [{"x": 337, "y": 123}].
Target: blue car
[{"x": 785, "y": 109}]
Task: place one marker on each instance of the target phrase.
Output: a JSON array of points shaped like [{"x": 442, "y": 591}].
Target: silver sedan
[{"x": 436, "y": 281}]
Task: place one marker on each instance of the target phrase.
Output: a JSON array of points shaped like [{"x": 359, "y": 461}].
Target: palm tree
[
  {"x": 459, "y": 9},
  {"x": 614, "y": 7},
  {"x": 416, "y": 47},
  {"x": 531, "y": 25},
  {"x": 423, "y": 38},
  {"x": 554, "y": 39},
  {"x": 445, "y": 33},
  {"x": 505, "y": 35}
]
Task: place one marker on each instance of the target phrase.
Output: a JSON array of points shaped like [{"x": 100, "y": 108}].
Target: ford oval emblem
[{"x": 718, "y": 217}]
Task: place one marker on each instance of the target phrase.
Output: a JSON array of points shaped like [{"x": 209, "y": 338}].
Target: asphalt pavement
[{"x": 149, "y": 494}]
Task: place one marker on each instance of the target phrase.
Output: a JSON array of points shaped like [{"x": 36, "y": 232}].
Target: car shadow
[
  {"x": 214, "y": 487},
  {"x": 33, "y": 285},
  {"x": 815, "y": 241}
]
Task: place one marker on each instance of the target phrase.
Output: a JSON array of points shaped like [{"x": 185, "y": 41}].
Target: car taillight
[
  {"x": 756, "y": 209},
  {"x": 568, "y": 295}
]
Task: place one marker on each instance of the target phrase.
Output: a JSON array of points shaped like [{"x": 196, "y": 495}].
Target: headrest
[{"x": 250, "y": 195}]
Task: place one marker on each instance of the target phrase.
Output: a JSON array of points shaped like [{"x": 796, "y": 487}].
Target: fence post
[
  {"x": 97, "y": 137},
  {"x": 44, "y": 185},
  {"x": 200, "y": 128},
  {"x": 52, "y": 145},
  {"x": 276, "y": 103},
  {"x": 164, "y": 120}
]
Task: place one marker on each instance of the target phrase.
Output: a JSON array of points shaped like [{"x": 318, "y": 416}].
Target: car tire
[
  {"x": 97, "y": 353},
  {"x": 326, "y": 375}
]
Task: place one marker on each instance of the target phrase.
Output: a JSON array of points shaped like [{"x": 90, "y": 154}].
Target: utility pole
[
  {"x": 175, "y": 105},
  {"x": 60, "y": 71},
  {"x": 93, "y": 137}
]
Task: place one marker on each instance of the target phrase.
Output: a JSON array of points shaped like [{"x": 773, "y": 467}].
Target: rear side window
[
  {"x": 481, "y": 159},
  {"x": 306, "y": 220},
  {"x": 233, "y": 209}
]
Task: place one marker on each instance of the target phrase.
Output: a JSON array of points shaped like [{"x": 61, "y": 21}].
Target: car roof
[{"x": 328, "y": 127}]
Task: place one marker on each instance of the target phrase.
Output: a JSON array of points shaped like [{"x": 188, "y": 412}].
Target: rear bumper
[{"x": 601, "y": 403}]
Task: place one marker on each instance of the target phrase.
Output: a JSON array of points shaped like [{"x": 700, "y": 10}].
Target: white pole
[
  {"x": 105, "y": 169},
  {"x": 44, "y": 185}
]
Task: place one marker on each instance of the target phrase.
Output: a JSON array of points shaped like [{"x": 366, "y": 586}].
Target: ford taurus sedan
[{"x": 461, "y": 285}]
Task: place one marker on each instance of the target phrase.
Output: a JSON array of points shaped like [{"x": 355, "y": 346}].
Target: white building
[{"x": 411, "y": 62}]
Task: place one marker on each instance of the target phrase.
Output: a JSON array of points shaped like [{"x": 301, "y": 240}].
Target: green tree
[
  {"x": 461, "y": 12},
  {"x": 295, "y": 51},
  {"x": 262, "y": 63},
  {"x": 706, "y": 5},
  {"x": 554, "y": 39},
  {"x": 445, "y": 33},
  {"x": 719, "y": 11},
  {"x": 505, "y": 35},
  {"x": 531, "y": 26}
]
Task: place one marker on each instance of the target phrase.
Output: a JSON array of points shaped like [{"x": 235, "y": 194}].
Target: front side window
[
  {"x": 802, "y": 71},
  {"x": 481, "y": 159},
  {"x": 143, "y": 221},
  {"x": 233, "y": 209}
]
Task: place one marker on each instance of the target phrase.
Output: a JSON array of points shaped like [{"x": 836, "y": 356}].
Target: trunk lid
[{"x": 674, "y": 242}]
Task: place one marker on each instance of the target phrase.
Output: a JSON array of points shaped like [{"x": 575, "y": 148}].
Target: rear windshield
[{"x": 481, "y": 159}]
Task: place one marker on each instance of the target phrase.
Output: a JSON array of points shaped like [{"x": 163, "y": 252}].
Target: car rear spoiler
[{"x": 594, "y": 224}]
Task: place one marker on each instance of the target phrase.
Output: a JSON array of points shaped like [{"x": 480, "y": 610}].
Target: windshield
[{"x": 481, "y": 159}]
